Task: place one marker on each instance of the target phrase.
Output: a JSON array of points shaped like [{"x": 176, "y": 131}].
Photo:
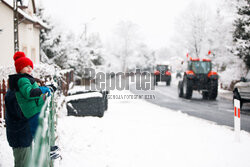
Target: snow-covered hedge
[
  {"x": 40, "y": 71},
  {"x": 235, "y": 69}
]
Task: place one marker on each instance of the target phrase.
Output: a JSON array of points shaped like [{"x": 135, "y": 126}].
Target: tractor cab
[
  {"x": 200, "y": 67},
  {"x": 162, "y": 68}
]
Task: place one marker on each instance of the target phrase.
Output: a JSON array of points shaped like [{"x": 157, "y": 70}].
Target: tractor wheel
[
  {"x": 204, "y": 95},
  {"x": 167, "y": 83},
  {"x": 154, "y": 82},
  {"x": 180, "y": 89},
  {"x": 213, "y": 90},
  {"x": 187, "y": 88}
]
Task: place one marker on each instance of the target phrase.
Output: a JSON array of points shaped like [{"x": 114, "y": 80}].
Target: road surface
[{"x": 219, "y": 111}]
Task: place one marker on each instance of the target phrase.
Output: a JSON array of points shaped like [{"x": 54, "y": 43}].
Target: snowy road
[{"x": 219, "y": 111}]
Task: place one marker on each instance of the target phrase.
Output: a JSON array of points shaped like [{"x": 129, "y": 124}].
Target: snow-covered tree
[
  {"x": 143, "y": 58},
  {"x": 241, "y": 34},
  {"x": 127, "y": 39},
  {"x": 96, "y": 49},
  {"x": 192, "y": 29},
  {"x": 50, "y": 38},
  {"x": 69, "y": 50},
  {"x": 220, "y": 42},
  {"x": 219, "y": 39}
]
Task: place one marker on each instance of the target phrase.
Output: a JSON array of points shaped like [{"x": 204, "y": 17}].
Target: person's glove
[
  {"x": 45, "y": 89},
  {"x": 52, "y": 87}
]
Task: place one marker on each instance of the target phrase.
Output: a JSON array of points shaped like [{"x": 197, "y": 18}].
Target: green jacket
[{"x": 28, "y": 94}]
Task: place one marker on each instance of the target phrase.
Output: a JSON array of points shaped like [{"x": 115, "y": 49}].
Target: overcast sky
[{"x": 155, "y": 18}]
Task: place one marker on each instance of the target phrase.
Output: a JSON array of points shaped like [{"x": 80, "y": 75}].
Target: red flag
[{"x": 209, "y": 52}]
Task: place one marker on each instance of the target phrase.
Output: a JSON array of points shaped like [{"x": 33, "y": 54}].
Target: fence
[
  {"x": 45, "y": 137},
  {"x": 3, "y": 91},
  {"x": 65, "y": 81}
]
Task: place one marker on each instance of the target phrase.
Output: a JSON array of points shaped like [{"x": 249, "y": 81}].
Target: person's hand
[
  {"x": 45, "y": 89},
  {"x": 52, "y": 87}
]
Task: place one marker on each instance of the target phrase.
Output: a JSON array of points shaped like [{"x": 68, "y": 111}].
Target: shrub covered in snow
[
  {"x": 234, "y": 70},
  {"x": 40, "y": 71}
]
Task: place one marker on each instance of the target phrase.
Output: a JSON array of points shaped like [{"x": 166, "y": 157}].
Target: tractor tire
[
  {"x": 213, "y": 90},
  {"x": 155, "y": 80},
  {"x": 204, "y": 95},
  {"x": 180, "y": 89},
  {"x": 187, "y": 88},
  {"x": 168, "y": 83}
]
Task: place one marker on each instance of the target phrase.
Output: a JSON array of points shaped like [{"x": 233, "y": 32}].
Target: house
[{"x": 29, "y": 31}]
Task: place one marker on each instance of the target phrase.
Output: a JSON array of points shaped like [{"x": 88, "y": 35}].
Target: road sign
[{"x": 237, "y": 119}]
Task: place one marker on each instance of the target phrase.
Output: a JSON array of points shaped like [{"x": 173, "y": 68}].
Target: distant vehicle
[
  {"x": 199, "y": 76},
  {"x": 242, "y": 90},
  {"x": 162, "y": 73},
  {"x": 178, "y": 74}
]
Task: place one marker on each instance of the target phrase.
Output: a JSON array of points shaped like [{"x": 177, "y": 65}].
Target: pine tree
[{"x": 241, "y": 34}]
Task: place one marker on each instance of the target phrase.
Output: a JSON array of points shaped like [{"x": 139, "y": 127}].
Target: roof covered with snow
[
  {"x": 34, "y": 19},
  {"x": 25, "y": 3}
]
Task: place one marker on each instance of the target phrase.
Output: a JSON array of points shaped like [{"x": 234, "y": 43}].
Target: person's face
[{"x": 26, "y": 70}]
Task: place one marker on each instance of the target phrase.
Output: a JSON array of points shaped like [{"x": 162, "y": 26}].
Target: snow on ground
[
  {"x": 83, "y": 96},
  {"x": 6, "y": 155},
  {"x": 76, "y": 89},
  {"x": 135, "y": 133}
]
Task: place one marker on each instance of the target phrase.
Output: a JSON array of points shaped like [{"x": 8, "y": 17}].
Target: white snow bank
[
  {"x": 76, "y": 89},
  {"x": 6, "y": 154},
  {"x": 135, "y": 133},
  {"x": 83, "y": 96}
]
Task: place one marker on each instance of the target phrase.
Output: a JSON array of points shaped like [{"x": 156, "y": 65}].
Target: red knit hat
[{"x": 21, "y": 61}]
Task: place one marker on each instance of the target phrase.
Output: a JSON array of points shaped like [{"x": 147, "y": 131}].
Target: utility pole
[
  {"x": 86, "y": 28},
  {"x": 15, "y": 14},
  {"x": 85, "y": 31}
]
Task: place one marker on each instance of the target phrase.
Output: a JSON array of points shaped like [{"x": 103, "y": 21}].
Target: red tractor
[
  {"x": 199, "y": 76},
  {"x": 162, "y": 73}
]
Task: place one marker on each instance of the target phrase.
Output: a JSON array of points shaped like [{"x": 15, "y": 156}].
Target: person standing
[{"x": 23, "y": 101}]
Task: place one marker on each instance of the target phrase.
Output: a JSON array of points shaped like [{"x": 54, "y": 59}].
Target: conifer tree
[{"x": 241, "y": 34}]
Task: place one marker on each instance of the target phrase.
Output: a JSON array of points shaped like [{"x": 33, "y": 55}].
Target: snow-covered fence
[
  {"x": 65, "y": 80},
  {"x": 45, "y": 136},
  {"x": 3, "y": 90}
]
